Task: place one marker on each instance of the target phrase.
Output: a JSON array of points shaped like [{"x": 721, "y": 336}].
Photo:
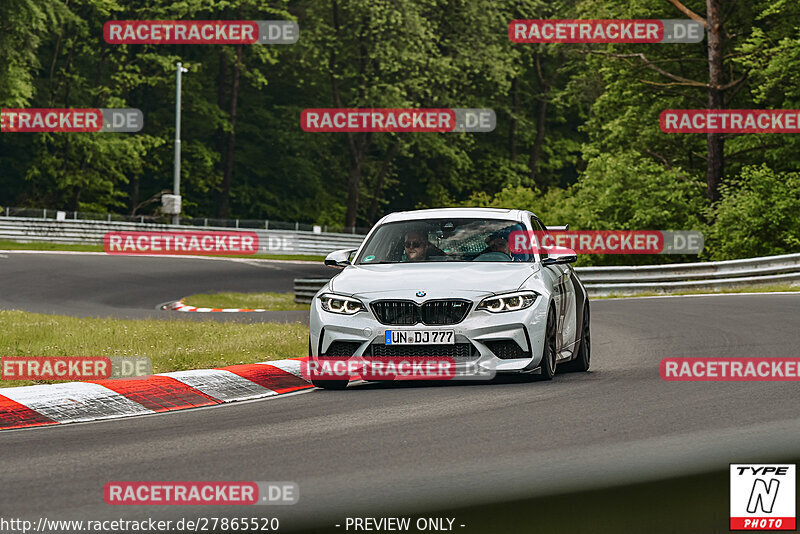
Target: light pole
[{"x": 176, "y": 186}]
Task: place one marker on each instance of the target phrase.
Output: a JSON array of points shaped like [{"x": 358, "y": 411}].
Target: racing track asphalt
[
  {"x": 379, "y": 449},
  {"x": 100, "y": 285}
]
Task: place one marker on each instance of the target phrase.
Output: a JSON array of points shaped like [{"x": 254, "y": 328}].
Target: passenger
[
  {"x": 498, "y": 243},
  {"x": 496, "y": 248}
]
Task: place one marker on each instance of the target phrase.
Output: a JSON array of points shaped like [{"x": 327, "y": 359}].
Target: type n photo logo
[{"x": 763, "y": 497}]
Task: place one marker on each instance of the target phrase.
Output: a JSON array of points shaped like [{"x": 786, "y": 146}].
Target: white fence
[
  {"x": 632, "y": 280},
  {"x": 76, "y": 231}
]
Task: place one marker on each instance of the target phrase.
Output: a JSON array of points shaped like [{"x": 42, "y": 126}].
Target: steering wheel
[{"x": 493, "y": 256}]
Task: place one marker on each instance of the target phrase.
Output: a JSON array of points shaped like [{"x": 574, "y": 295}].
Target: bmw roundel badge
[{"x": 421, "y": 293}]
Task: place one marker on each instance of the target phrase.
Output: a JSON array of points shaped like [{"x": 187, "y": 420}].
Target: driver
[{"x": 416, "y": 246}]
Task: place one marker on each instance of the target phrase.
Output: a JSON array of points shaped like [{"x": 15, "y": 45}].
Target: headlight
[
  {"x": 339, "y": 304},
  {"x": 509, "y": 302}
]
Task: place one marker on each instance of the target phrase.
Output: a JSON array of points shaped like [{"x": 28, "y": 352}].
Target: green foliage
[
  {"x": 24, "y": 24},
  {"x": 577, "y": 138},
  {"x": 757, "y": 215},
  {"x": 87, "y": 171},
  {"x": 626, "y": 191}
]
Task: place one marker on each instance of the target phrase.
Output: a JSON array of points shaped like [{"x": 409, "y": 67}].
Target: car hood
[{"x": 435, "y": 279}]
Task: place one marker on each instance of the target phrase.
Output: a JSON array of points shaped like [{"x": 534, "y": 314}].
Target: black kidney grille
[
  {"x": 439, "y": 312},
  {"x": 433, "y": 312},
  {"x": 396, "y": 312}
]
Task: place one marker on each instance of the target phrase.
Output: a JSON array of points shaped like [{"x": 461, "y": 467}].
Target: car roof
[{"x": 460, "y": 213}]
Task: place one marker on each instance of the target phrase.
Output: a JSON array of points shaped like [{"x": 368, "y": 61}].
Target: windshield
[{"x": 427, "y": 240}]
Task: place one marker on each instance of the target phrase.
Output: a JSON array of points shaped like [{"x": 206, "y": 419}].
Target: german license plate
[{"x": 420, "y": 337}]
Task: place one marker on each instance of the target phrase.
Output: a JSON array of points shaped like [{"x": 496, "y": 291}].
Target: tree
[
  {"x": 757, "y": 215},
  {"x": 724, "y": 77}
]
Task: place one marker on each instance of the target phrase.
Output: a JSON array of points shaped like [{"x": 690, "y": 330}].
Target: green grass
[
  {"x": 287, "y": 257},
  {"x": 171, "y": 345},
  {"x": 771, "y": 288},
  {"x": 267, "y": 301},
  {"x": 13, "y": 245},
  {"x": 285, "y": 301}
]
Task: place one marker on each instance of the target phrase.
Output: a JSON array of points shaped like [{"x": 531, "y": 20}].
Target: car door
[{"x": 560, "y": 278}]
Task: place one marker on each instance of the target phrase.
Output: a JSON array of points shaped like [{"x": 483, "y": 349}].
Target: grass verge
[
  {"x": 13, "y": 245},
  {"x": 773, "y": 288},
  {"x": 267, "y": 301},
  {"x": 171, "y": 345},
  {"x": 285, "y": 301}
]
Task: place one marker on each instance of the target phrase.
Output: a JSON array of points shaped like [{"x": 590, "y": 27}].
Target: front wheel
[
  {"x": 330, "y": 384},
  {"x": 548, "y": 365}
]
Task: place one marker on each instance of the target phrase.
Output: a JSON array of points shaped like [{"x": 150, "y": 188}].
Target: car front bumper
[{"x": 360, "y": 333}]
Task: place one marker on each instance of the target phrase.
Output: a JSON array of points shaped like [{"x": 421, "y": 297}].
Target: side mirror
[
  {"x": 563, "y": 255},
  {"x": 339, "y": 258}
]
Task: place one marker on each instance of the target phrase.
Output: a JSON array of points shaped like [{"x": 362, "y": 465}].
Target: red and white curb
[
  {"x": 73, "y": 402},
  {"x": 181, "y": 307}
]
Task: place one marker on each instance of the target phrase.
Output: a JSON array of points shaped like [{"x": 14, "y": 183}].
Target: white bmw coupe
[{"x": 444, "y": 283}]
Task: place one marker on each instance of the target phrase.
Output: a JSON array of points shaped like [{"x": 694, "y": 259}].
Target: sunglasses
[{"x": 413, "y": 244}]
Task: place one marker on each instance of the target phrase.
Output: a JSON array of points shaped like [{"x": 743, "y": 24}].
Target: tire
[
  {"x": 583, "y": 358},
  {"x": 548, "y": 365},
  {"x": 330, "y": 384}
]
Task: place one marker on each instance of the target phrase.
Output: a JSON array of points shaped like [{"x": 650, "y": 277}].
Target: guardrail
[
  {"x": 306, "y": 288},
  {"x": 266, "y": 224},
  {"x": 76, "y": 231},
  {"x": 632, "y": 280}
]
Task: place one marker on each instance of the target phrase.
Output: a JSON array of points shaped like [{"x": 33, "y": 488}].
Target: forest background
[{"x": 577, "y": 138}]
